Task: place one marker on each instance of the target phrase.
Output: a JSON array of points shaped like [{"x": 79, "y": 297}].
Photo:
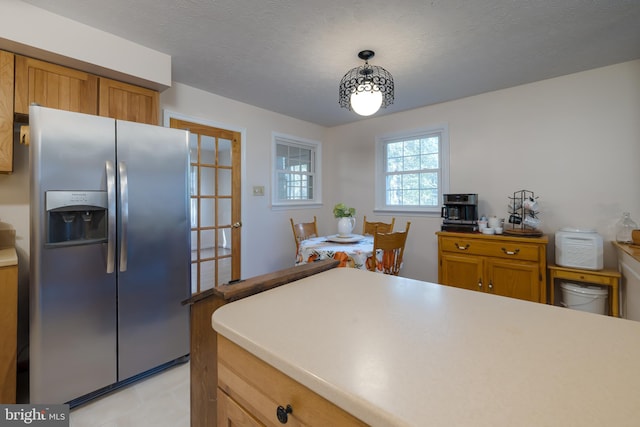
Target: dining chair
[
  {"x": 369, "y": 228},
  {"x": 304, "y": 230},
  {"x": 392, "y": 247}
]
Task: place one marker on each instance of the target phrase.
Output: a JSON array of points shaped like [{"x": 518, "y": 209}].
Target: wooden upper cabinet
[
  {"x": 6, "y": 111},
  {"x": 123, "y": 101},
  {"x": 54, "y": 86}
]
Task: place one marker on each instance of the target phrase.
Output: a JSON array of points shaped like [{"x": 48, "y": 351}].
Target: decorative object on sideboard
[
  {"x": 366, "y": 88},
  {"x": 523, "y": 215}
]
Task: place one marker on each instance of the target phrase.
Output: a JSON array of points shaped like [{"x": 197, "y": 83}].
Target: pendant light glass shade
[
  {"x": 366, "y": 100},
  {"x": 367, "y": 88}
]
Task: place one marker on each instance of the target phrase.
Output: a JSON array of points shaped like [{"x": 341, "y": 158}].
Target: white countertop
[
  {"x": 8, "y": 257},
  {"x": 395, "y": 351}
]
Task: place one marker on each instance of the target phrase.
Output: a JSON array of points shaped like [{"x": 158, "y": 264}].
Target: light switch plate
[{"x": 258, "y": 190}]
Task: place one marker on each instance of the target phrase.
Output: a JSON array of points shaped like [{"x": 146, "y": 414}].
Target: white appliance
[
  {"x": 579, "y": 248},
  {"x": 110, "y": 253}
]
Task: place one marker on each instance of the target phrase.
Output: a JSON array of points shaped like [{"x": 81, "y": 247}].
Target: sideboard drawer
[{"x": 494, "y": 248}]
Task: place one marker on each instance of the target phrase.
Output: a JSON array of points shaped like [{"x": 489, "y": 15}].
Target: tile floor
[{"x": 158, "y": 401}]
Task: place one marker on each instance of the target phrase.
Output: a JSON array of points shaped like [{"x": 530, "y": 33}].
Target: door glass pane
[
  {"x": 208, "y": 181},
  {"x": 224, "y": 241},
  {"x": 207, "y": 212},
  {"x": 207, "y": 243},
  {"x": 224, "y": 152},
  {"x": 207, "y": 275},
  {"x": 194, "y": 278},
  {"x": 194, "y": 245},
  {"x": 193, "y": 180},
  {"x": 207, "y": 150},
  {"x": 224, "y": 182},
  {"x": 193, "y": 147},
  {"x": 224, "y": 270},
  {"x": 224, "y": 212}
]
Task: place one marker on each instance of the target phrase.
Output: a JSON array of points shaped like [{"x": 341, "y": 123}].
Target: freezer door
[
  {"x": 154, "y": 246},
  {"x": 72, "y": 297}
]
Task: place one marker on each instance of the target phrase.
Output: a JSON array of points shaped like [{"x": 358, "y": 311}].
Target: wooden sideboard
[{"x": 502, "y": 265}]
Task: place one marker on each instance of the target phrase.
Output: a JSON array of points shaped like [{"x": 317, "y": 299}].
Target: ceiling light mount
[{"x": 367, "y": 88}]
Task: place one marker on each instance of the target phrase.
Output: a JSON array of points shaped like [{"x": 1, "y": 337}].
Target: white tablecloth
[{"x": 354, "y": 255}]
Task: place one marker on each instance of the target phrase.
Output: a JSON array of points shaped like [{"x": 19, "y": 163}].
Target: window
[
  {"x": 412, "y": 171},
  {"x": 296, "y": 174}
]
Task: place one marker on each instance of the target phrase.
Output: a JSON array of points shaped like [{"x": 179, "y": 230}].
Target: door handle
[
  {"x": 124, "y": 214},
  {"x": 237, "y": 224},
  {"x": 111, "y": 216}
]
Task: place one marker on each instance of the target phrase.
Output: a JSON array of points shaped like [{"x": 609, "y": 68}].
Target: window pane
[{"x": 429, "y": 161}]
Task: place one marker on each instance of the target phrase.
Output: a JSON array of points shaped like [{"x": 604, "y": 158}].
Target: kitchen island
[{"x": 394, "y": 351}]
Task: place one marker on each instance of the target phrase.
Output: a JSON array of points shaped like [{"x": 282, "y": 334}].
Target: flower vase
[{"x": 345, "y": 226}]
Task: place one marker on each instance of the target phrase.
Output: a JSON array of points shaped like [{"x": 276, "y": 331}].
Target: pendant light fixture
[{"x": 366, "y": 88}]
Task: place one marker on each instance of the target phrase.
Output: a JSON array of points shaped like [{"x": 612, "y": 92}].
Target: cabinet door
[
  {"x": 462, "y": 271},
  {"x": 123, "y": 101},
  {"x": 231, "y": 414},
  {"x": 515, "y": 279},
  {"x": 6, "y": 111},
  {"x": 8, "y": 332},
  {"x": 54, "y": 86}
]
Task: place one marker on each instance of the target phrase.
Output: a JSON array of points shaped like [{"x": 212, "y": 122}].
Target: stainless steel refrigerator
[{"x": 110, "y": 253}]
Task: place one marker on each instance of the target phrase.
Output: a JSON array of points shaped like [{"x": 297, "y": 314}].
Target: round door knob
[{"x": 283, "y": 413}]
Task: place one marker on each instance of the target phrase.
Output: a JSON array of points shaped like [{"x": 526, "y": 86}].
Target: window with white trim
[
  {"x": 412, "y": 170},
  {"x": 296, "y": 172}
]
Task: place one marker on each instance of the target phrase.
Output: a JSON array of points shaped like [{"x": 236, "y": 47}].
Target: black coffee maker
[{"x": 460, "y": 212}]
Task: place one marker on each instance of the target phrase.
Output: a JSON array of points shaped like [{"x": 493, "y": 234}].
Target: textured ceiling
[{"x": 288, "y": 56}]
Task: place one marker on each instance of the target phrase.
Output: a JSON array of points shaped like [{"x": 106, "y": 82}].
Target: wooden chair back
[
  {"x": 304, "y": 230},
  {"x": 392, "y": 247},
  {"x": 369, "y": 228}
]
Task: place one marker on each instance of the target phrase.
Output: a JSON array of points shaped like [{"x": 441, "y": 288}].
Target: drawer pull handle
[
  {"x": 283, "y": 413},
  {"x": 462, "y": 248},
  {"x": 515, "y": 252}
]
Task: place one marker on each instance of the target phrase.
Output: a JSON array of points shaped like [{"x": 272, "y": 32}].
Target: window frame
[
  {"x": 316, "y": 150},
  {"x": 380, "y": 170}
]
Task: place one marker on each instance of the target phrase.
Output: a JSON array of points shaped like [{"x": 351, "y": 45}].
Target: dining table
[{"x": 353, "y": 250}]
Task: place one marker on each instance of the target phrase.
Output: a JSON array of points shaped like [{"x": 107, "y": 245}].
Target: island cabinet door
[
  {"x": 231, "y": 414},
  {"x": 461, "y": 271},
  {"x": 515, "y": 279}
]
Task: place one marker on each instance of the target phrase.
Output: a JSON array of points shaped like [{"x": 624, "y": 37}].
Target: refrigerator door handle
[
  {"x": 124, "y": 214},
  {"x": 111, "y": 202}
]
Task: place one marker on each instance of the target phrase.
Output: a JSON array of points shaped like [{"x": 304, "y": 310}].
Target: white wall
[{"x": 573, "y": 140}]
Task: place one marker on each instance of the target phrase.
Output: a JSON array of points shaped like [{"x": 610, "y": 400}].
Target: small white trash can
[{"x": 584, "y": 297}]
